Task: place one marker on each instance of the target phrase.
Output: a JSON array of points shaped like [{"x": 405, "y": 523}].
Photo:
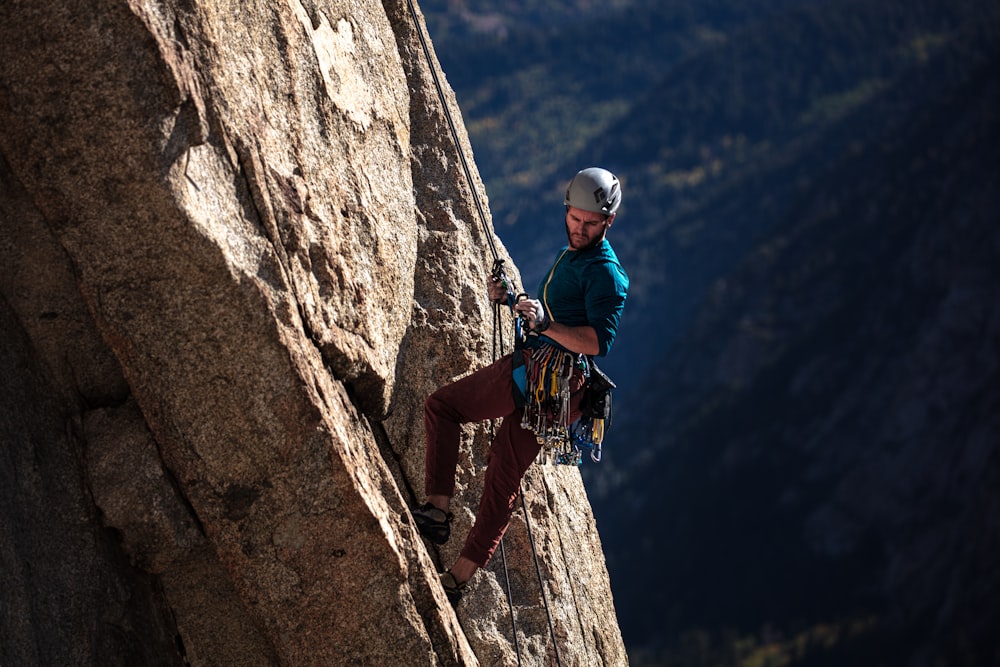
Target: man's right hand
[{"x": 497, "y": 290}]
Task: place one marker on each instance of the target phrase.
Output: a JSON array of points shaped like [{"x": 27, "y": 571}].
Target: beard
[{"x": 582, "y": 241}]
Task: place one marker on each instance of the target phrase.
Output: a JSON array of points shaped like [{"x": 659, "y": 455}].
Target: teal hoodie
[{"x": 587, "y": 287}]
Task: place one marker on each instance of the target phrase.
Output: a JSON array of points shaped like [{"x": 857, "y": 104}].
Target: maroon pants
[{"x": 486, "y": 394}]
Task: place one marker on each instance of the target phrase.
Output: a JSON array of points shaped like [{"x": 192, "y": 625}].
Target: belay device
[{"x": 542, "y": 389}]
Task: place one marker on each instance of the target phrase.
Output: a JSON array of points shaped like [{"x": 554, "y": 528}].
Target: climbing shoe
[
  {"x": 453, "y": 588},
  {"x": 434, "y": 524}
]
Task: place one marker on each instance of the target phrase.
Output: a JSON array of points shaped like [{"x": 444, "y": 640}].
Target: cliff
[
  {"x": 806, "y": 439},
  {"x": 238, "y": 250}
]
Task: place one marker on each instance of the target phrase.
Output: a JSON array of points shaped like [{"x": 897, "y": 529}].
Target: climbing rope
[
  {"x": 497, "y": 333},
  {"x": 498, "y": 351},
  {"x": 510, "y": 602},
  {"x": 541, "y": 585},
  {"x": 454, "y": 132}
]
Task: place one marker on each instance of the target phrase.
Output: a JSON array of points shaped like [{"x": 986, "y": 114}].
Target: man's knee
[{"x": 437, "y": 406}]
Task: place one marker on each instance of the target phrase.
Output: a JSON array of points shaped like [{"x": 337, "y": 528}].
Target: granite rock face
[{"x": 238, "y": 250}]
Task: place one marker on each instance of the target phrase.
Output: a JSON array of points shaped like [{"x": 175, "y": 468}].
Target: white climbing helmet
[{"x": 596, "y": 190}]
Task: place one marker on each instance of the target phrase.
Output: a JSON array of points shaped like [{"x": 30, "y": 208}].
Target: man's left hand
[{"x": 534, "y": 312}]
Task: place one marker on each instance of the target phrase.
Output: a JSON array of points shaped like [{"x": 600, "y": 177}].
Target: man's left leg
[{"x": 513, "y": 451}]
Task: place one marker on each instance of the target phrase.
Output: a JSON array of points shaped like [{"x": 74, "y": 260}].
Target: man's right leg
[{"x": 485, "y": 394}]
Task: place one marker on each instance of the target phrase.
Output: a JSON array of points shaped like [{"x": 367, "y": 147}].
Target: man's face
[{"x": 585, "y": 229}]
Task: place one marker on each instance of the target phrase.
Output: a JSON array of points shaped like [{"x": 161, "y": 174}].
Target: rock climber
[{"x": 578, "y": 311}]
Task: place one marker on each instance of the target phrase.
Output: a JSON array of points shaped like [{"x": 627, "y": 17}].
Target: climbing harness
[
  {"x": 497, "y": 334},
  {"x": 543, "y": 388}
]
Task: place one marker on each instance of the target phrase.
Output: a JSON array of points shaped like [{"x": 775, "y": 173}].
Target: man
[{"x": 579, "y": 310}]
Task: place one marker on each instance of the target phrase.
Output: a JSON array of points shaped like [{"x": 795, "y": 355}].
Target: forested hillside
[
  {"x": 821, "y": 445},
  {"x": 804, "y": 464}
]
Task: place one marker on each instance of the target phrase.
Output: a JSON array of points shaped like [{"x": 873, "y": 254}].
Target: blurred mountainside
[
  {"x": 804, "y": 464},
  {"x": 693, "y": 103},
  {"x": 821, "y": 445}
]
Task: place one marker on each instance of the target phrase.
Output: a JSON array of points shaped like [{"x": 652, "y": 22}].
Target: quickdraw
[
  {"x": 547, "y": 409},
  {"x": 547, "y": 412}
]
